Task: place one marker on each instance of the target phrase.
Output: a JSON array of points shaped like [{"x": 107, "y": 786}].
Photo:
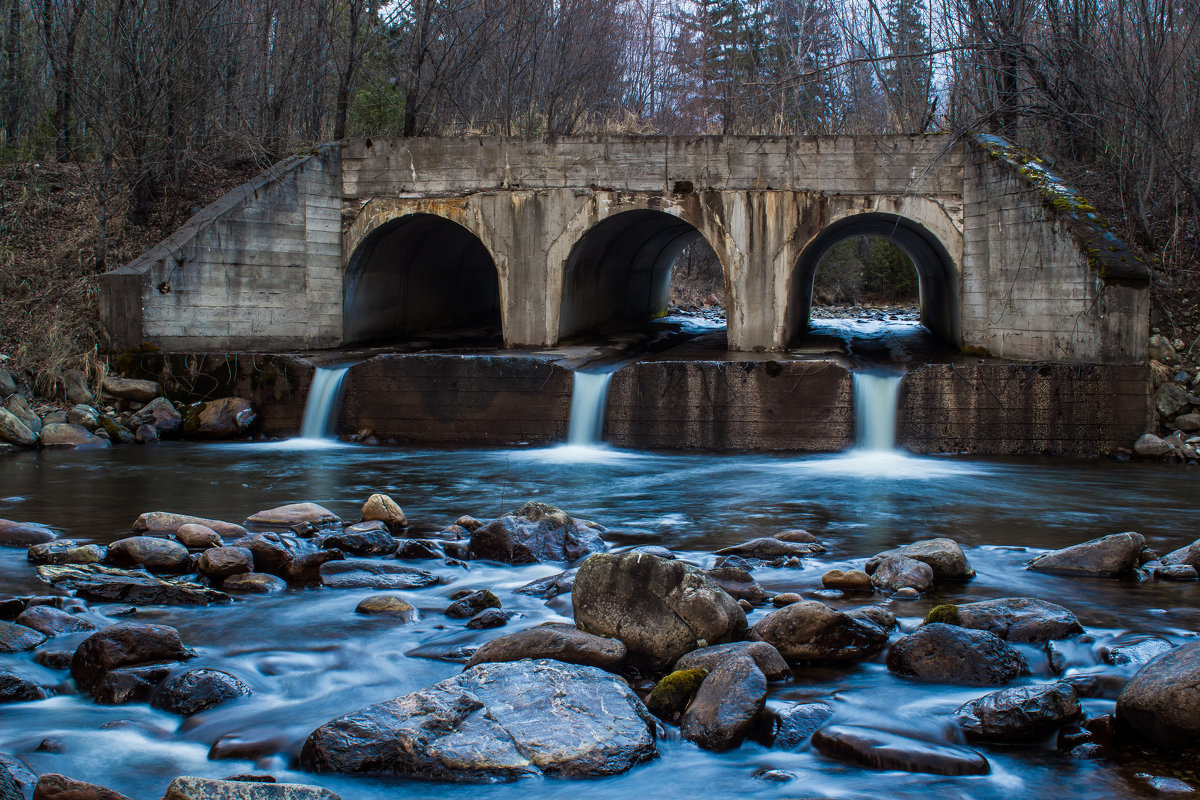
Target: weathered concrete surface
[{"x": 580, "y": 230}]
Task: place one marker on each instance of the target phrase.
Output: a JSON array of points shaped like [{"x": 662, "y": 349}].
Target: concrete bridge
[{"x": 542, "y": 239}]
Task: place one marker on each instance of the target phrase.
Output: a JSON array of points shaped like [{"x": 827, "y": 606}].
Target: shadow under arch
[
  {"x": 620, "y": 270},
  {"x": 936, "y": 272},
  {"x": 419, "y": 272}
]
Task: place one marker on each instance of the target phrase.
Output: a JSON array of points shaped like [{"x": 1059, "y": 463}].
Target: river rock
[
  {"x": 472, "y": 604},
  {"x": 362, "y": 574},
  {"x": 812, "y": 631},
  {"x": 15, "y": 688},
  {"x": 188, "y": 788},
  {"x": 287, "y": 556},
  {"x": 490, "y": 618},
  {"x": 19, "y": 407},
  {"x": 363, "y": 539},
  {"x": 131, "y": 388},
  {"x": 726, "y": 706},
  {"x": 552, "y": 586},
  {"x": 553, "y": 640},
  {"x": 294, "y": 514},
  {"x": 146, "y": 434},
  {"x": 851, "y": 581},
  {"x": 793, "y": 725},
  {"x": 52, "y": 621},
  {"x": 156, "y": 555},
  {"x": 387, "y": 605},
  {"x": 381, "y": 508},
  {"x": 1014, "y": 619},
  {"x": 1110, "y": 556},
  {"x": 536, "y": 532},
  {"x": 660, "y": 609},
  {"x": 1022, "y": 714},
  {"x": 197, "y": 537},
  {"x": 1171, "y": 399},
  {"x": 126, "y": 644},
  {"x": 13, "y": 430},
  {"x": 494, "y": 722},
  {"x": 418, "y": 549},
  {"x": 254, "y": 583},
  {"x": 949, "y": 654},
  {"x": 1188, "y": 555},
  {"x": 220, "y": 419},
  {"x": 738, "y": 583},
  {"x": 24, "y": 534},
  {"x": 674, "y": 692},
  {"x": 1134, "y": 650},
  {"x": 98, "y": 582},
  {"x": 59, "y": 787},
  {"x": 1161, "y": 703},
  {"x": 71, "y": 436},
  {"x": 1150, "y": 446},
  {"x": 891, "y": 751},
  {"x": 219, "y": 563},
  {"x": 160, "y": 414},
  {"x": 944, "y": 556},
  {"x": 764, "y": 655},
  {"x": 16, "y": 638},
  {"x": 894, "y": 573},
  {"x": 771, "y": 549},
  {"x": 168, "y": 522},
  {"x": 197, "y": 690},
  {"x": 66, "y": 551},
  {"x": 1176, "y": 572},
  {"x": 8, "y": 384}
]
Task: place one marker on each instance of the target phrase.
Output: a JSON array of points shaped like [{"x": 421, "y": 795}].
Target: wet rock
[
  {"x": 14, "y": 431},
  {"x": 490, "y": 618},
  {"x": 168, "y": 522},
  {"x": 84, "y": 416},
  {"x": 654, "y": 550},
  {"x": 381, "y": 508},
  {"x": 24, "y": 534},
  {"x": 1177, "y": 572},
  {"x": 1106, "y": 686},
  {"x": 16, "y": 638},
  {"x": 738, "y": 583},
  {"x": 879, "y": 615},
  {"x": 797, "y": 535},
  {"x": 472, "y": 604},
  {"x": 159, "y": 414},
  {"x": 1161, "y": 703},
  {"x": 19, "y": 407},
  {"x": 764, "y": 655},
  {"x": 950, "y": 654},
  {"x": 363, "y": 539},
  {"x": 812, "y": 631},
  {"x": 156, "y": 555},
  {"x": 52, "y": 621},
  {"x": 57, "y": 435},
  {"x": 254, "y": 583},
  {"x": 126, "y": 644},
  {"x": 556, "y": 641},
  {"x": 98, "y": 582},
  {"x": 1150, "y": 446},
  {"x": 726, "y": 706},
  {"x": 1021, "y": 714},
  {"x": 772, "y": 549},
  {"x": 417, "y": 549},
  {"x": 198, "y": 690},
  {"x": 1158, "y": 784},
  {"x": 1107, "y": 557},
  {"x": 852, "y": 581},
  {"x": 54, "y": 659},
  {"x": 197, "y": 537},
  {"x": 1135, "y": 650},
  {"x": 468, "y": 523},
  {"x": 17, "y": 689},
  {"x": 294, "y": 514},
  {"x": 1014, "y": 619},
  {"x": 60, "y": 787},
  {"x": 387, "y": 605},
  {"x": 894, "y": 573},
  {"x": 786, "y": 599},
  {"x": 551, "y": 586},
  {"x": 660, "y": 609},
  {"x": 66, "y": 551},
  {"x": 792, "y": 726},
  {"x": 536, "y": 532},
  {"x": 146, "y": 434},
  {"x": 671, "y": 695},
  {"x": 1188, "y": 554},
  {"x": 187, "y": 788},
  {"x": 891, "y": 751},
  {"x": 219, "y": 563},
  {"x": 220, "y": 419},
  {"x": 360, "y": 574},
  {"x": 285, "y": 555},
  {"x": 494, "y": 722},
  {"x": 115, "y": 431},
  {"x": 944, "y": 556},
  {"x": 131, "y": 684}
]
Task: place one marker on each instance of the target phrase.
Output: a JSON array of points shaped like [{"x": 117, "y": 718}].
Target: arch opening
[
  {"x": 421, "y": 274},
  {"x": 936, "y": 277},
  {"x": 620, "y": 272}
]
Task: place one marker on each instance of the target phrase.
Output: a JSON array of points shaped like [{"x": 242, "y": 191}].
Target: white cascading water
[
  {"x": 321, "y": 407},
  {"x": 588, "y": 395},
  {"x": 875, "y": 398}
]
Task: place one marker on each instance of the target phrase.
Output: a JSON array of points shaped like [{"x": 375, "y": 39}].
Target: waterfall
[
  {"x": 588, "y": 395},
  {"x": 320, "y": 410},
  {"x": 875, "y": 400}
]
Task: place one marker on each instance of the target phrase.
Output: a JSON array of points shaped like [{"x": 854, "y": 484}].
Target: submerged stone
[
  {"x": 887, "y": 751},
  {"x": 127, "y": 586}
]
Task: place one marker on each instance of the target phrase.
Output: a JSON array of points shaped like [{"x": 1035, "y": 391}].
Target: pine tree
[{"x": 909, "y": 80}]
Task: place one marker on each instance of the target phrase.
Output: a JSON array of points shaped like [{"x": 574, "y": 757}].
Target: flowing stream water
[
  {"x": 321, "y": 407},
  {"x": 875, "y": 402},
  {"x": 589, "y": 392}
]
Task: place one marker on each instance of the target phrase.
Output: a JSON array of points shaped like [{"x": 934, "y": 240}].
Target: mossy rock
[
  {"x": 191, "y": 416},
  {"x": 672, "y": 694},
  {"x": 116, "y": 432},
  {"x": 946, "y": 613}
]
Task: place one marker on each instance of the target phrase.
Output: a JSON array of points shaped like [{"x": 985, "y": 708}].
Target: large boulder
[
  {"x": 161, "y": 415},
  {"x": 24, "y": 534},
  {"x": 1020, "y": 714},
  {"x": 892, "y": 751},
  {"x": 151, "y": 552},
  {"x": 1161, "y": 703},
  {"x": 1107, "y": 557},
  {"x": 494, "y": 722},
  {"x": 221, "y": 418},
  {"x": 1014, "y": 619},
  {"x": 660, "y": 609},
  {"x": 65, "y": 435},
  {"x": 949, "y": 654},
  {"x": 363, "y": 574},
  {"x": 131, "y": 388},
  {"x": 14, "y": 431},
  {"x": 188, "y": 788},
  {"x": 98, "y": 582},
  {"x": 944, "y": 556},
  {"x": 197, "y": 690},
  {"x": 812, "y": 631},
  {"x": 294, "y": 514},
  {"x": 16, "y": 638},
  {"x": 727, "y": 704},
  {"x": 19, "y": 407},
  {"x": 169, "y": 522},
  {"x": 536, "y": 532},
  {"x": 125, "y": 645},
  {"x": 553, "y": 640}
]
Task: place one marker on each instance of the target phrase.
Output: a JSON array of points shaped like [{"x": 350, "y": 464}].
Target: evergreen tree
[{"x": 909, "y": 79}]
